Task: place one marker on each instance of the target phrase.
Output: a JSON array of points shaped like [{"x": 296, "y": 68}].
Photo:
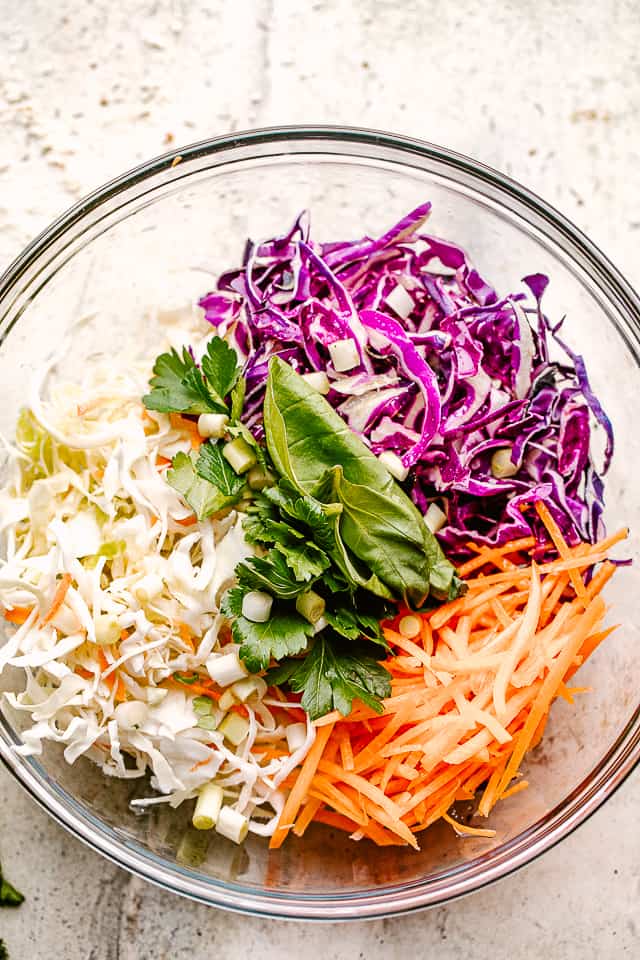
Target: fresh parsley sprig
[
  {"x": 179, "y": 385},
  {"x": 9, "y": 896}
]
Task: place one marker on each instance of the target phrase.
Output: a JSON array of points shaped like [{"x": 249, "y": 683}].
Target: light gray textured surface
[{"x": 547, "y": 92}]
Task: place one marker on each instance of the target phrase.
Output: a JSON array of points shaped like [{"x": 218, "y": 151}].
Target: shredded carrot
[
  {"x": 178, "y": 422},
  {"x": 469, "y": 831},
  {"x": 58, "y": 598},
  {"x": 302, "y": 784},
  {"x": 561, "y": 545},
  {"x": 346, "y": 753},
  {"x": 18, "y": 615},
  {"x": 470, "y": 696},
  {"x": 188, "y": 521},
  {"x": 516, "y": 788}
]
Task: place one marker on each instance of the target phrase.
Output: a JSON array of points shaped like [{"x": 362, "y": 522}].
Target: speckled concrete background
[{"x": 548, "y": 92}]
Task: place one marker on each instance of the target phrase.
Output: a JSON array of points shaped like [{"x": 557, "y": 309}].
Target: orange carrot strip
[
  {"x": 346, "y": 753},
  {"x": 587, "y": 648},
  {"x": 301, "y": 787},
  {"x": 592, "y": 614},
  {"x": 58, "y": 598},
  {"x": 561, "y": 545},
  {"x": 332, "y": 819},
  {"x": 308, "y": 813},
  {"x": 516, "y": 788},
  {"x": 469, "y": 831},
  {"x": 188, "y": 521},
  {"x": 486, "y": 556},
  {"x": 18, "y": 615}
]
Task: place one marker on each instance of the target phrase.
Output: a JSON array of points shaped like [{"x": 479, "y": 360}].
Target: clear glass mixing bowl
[{"x": 153, "y": 238}]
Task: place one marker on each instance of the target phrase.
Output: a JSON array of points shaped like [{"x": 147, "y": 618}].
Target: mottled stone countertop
[{"x": 547, "y": 92}]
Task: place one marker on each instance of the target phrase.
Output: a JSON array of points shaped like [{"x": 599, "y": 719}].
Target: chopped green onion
[
  {"x": 202, "y": 706},
  {"x": 207, "y": 722},
  {"x": 319, "y": 381},
  {"x": 239, "y": 455},
  {"x": 394, "y": 465},
  {"x": 310, "y": 605},
  {"x": 234, "y": 728},
  {"x": 256, "y": 606},
  {"x": 225, "y": 668},
  {"x": 212, "y": 425},
  {"x": 502, "y": 466},
  {"x": 435, "y": 518},
  {"x": 409, "y": 627},
  {"x": 107, "y": 630},
  {"x": 258, "y": 478},
  {"x": 207, "y": 807},
  {"x": 344, "y": 355},
  {"x": 232, "y": 825}
]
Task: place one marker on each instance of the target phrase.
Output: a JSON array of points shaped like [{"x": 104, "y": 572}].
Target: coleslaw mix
[{"x": 114, "y": 585}]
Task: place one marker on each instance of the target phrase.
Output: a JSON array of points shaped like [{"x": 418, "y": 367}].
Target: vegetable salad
[{"x": 235, "y": 572}]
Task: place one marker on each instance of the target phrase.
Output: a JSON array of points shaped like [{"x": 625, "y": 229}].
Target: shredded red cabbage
[{"x": 448, "y": 373}]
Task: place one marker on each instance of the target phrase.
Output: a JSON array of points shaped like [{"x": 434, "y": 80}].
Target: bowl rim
[{"x": 612, "y": 770}]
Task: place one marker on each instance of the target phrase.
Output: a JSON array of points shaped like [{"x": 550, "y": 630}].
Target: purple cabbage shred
[{"x": 454, "y": 379}]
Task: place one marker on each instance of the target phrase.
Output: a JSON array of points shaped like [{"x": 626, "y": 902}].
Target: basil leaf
[
  {"x": 379, "y": 526},
  {"x": 385, "y": 537}
]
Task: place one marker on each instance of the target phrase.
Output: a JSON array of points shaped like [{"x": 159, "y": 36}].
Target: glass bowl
[{"x": 154, "y": 238}]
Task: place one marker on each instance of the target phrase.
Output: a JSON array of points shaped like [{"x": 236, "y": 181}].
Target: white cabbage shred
[{"x": 84, "y": 497}]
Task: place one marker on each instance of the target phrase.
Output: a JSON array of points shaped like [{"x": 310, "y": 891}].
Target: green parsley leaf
[
  {"x": 203, "y": 497},
  {"x": 263, "y": 524},
  {"x": 271, "y": 574},
  {"x": 305, "y": 510},
  {"x": 332, "y": 678},
  {"x": 212, "y": 466},
  {"x": 177, "y": 387},
  {"x": 353, "y": 625},
  {"x": 237, "y": 398},
  {"x": 306, "y": 560},
  {"x": 9, "y": 896},
  {"x": 284, "y": 634},
  {"x": 220, "y": 368}
]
